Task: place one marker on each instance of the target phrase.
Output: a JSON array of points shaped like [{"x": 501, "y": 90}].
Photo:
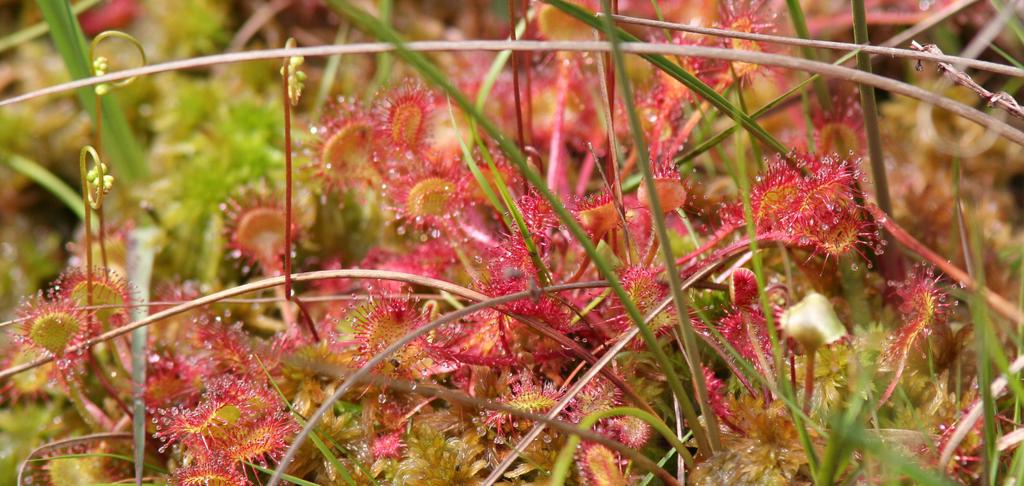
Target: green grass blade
[
  {"x": 681, "y": 75},
  {"x": 286, "y": 477},
  {"x": 796, "y": 15},
  {"x": 141, "y": 252},
  {"x": 330, "y": 73},
  {"x": 713, "y": 141},
  {"x": 45, "y": 178},
  {"x": 870, "y": 109},
  {"x": 125, "y": 155},
  {"x": 474, "y": 169},
  {"x": 658, "y": 217},
  {"x": 985, "y": 340},
  {"x": 496, "y": 67},
  {"x": 39, "y": 29}
]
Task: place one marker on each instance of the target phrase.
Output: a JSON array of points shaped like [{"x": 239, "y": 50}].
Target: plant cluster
[{"x": 542, "y": 267}]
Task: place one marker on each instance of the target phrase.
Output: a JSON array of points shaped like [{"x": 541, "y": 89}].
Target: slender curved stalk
[
  {"x": 561, "y": 469},
  {"x": 658, "y": 217},
  {"x": 271, "y": 282},
  {"x": 832, "y": 45},
  {"x": 777, "y": 60},
  {"x": 70, "y": 42},
  {"x": 68, "y": 442}
]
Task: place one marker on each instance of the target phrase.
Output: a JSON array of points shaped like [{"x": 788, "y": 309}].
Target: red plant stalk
[
  {"x": 556, "y": 175},
  {"x": 515, "y": 75},
  {"x": 288, "y": 293},
  {"x": 529, "y": 78},
  {"x": 586, "y": 170}
]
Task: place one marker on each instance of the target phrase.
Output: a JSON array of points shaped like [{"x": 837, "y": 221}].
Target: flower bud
[{"x": 812, "y": 322}]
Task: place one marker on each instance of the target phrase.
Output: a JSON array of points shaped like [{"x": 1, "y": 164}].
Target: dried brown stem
[
  {"x": 777, "y": 60},
  {"x": 1001, "y": 100},
  {"x": 912, "y": 53}
]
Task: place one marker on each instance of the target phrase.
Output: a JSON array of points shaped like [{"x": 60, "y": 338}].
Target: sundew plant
[{"x": 511, "y": 242}]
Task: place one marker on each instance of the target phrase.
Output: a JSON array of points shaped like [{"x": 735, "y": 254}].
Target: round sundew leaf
[
  {"x": 54, "y": 331},
  {"x": 599, "y": 466},
  {"x": 229, "y": 413},
  {"x": 104, "y": 295},
  {"x": 349, "y": 148},
  {"x": 429, "y": 197},
  {"x": 260, "y": 233}
]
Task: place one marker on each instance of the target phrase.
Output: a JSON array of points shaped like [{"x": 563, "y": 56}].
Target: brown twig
[
  {"x": 1001, "y": 100},
  {"x": 820, "y": 44},
  {"x": 767, "y": 59}
]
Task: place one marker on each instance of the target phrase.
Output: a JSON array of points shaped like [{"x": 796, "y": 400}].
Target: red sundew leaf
[
  {"x": 526, "y": 394},
  {"x": 432, "y": 195},
  {"x": 53, "y": 328},
  {"x": 388, "y": 446},
  {"x": 388, "y": 320},
  {"x": 599, "y": 466},
  {"x": 229, "y": 347},
  {"x": 840, "y": 129},
  {"x": 254, "y": 224},
  {"x": 599, "y": 395},
  {"x": 597, "y": 214},
  {"x": 742, "y": 287},
  {"x": 749, "y": 16},
  {"x": 345, "y": 146},
  {"x": 259, "y": 440},
  {"x": 668, "y": 186},
  {"x": 922, "y": 305},
  {"x": 404, "y": 120},
  {"x": 108, "y": 289},
  {"x": 629, "y": 430},
  {"x": 173, "y": 379},
  {"x": 228, "y": 402},
  {"x": 734, "y": 330},
  {"x": 208, "y": 470},
  {"x": 717, "y": 397}
]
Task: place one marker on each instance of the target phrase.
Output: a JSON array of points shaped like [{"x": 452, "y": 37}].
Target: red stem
[
  {"x": 515, "y": 75},
  {"x": 556, "y": 175},
  {"x": 529, "y": 80},
  {"x": 286, "y": 100},
  {"x": 1002, "y": 306},
  {"x": 808, "y": 381}
]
